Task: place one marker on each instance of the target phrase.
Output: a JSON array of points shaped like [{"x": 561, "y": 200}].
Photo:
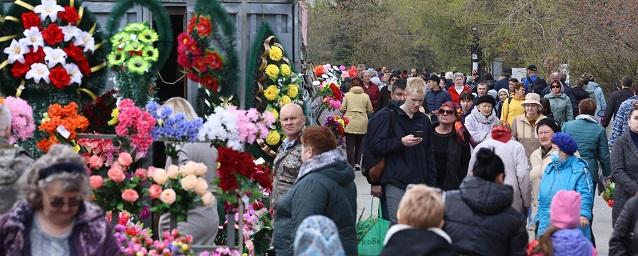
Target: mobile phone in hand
[{"x": 419, "y": 134}]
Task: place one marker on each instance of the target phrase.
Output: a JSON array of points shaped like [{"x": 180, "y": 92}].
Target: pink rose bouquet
[
  {"x": 179, "y": 188},
  {"x": 22, "y": 123}
]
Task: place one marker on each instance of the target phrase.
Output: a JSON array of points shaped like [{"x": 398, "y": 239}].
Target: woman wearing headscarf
[
  {"x": 559, "y": 103},
  {"x": 325, "y": 186},
  {"x": 541, "y": 158},
  {"x": 482, "y": 118},
  {"x": 57, "y": 217},
  {"x": 566, "y": 172},
  {"x": 317, "y": 235},
  {"x": 451, "y": 146}
]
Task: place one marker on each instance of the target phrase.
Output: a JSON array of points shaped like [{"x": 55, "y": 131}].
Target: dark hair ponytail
[{"x": 488, "y": 165}]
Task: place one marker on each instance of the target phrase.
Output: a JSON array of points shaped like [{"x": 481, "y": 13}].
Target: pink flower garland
[
  {"x": 137, "y": 124},
  {"x": 22, "y": 123}
]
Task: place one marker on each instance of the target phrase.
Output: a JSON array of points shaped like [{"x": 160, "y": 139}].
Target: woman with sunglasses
[
  {"x": 559, "y": 103},
  {"x": 56, "y": 218},
  {"x": 451, "y": 146}
]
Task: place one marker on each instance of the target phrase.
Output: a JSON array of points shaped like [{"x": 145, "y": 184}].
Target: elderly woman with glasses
[
  {"x": 451, "y": 146},
  {"x": 56, "y": 218}
]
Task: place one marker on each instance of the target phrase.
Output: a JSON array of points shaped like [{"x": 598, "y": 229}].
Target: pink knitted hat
[{"x": 565, "y": 209}]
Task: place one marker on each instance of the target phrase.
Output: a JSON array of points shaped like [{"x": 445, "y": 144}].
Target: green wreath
[
  {"x": 161, "y": 18},
  {"x": 90, "y": 59},
  {"x": 223, "y": 38}
]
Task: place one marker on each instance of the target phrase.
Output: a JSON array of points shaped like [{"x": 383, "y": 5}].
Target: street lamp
[{"x": 475, "y": 50}]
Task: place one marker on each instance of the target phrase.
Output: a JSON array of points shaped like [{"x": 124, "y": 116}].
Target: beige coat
[
  {"x": 356, "y": 106},
  {"x": 525, "y": 133}
]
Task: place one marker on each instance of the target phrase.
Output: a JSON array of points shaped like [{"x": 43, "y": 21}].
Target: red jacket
[
  {"x": 456, "y": 97},
  {"x": 372, "y": 90}
]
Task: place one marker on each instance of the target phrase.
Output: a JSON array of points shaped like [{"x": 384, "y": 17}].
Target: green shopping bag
[{"x": 371, "y": 233}]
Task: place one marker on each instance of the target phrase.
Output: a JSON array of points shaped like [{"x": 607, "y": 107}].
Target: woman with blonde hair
[{"x": 202, "y": 222}]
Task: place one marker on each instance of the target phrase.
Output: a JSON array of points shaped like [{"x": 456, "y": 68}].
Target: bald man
[{"x": 288, "y": 159}]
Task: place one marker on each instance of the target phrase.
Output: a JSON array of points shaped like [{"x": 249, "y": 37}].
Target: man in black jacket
[
  {"x": 617, "y": 98},
  {"x": 402, "y": 138}
]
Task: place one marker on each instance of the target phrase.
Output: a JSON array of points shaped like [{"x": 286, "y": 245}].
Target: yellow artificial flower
[
  {"x": 273, "y": 138},
  {"x": 272, "y": 71},
  {"x": 271, "y": 93},
  {"x": 341, "y": 122},
  {"x": 274, "y": 112},
  {"x": 285, "y": 70},
  {"x": 284, "y": 100},
  {"x": 293, "y": 91},
  {"x": 114, "y": 117},
  {"x": 76, "y": 147},
  {"x": 275, "y": 53}
]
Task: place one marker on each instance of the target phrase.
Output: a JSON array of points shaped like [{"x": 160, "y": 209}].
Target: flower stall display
[
  {"x": 134, "y": 126},
  {"x": 61, "y": 125},
  {"x": 178, "y": 188},
  {"x": 132, "y": 57},
  {"x": 234, "y": 128},
  {"x": 137, "y": 52},
  {"x": 201, "y": 63},
  {"x": 53, "y": 45},
  {"x": 222, "y": 251},
  {"x": 134, "y": 239},
  {"x": 22, "y": 123},
  {"x": 173, "y": 128},
  {"x": 337, "y": 125},
  {"x": 119, "y": 186},
  {"x": 257, "y": 228},
  {"x": 328, "y": 85},
  {"x": 277, "y": 86}
]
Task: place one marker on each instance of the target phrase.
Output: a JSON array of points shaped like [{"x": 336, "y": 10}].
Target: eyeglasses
[
  {"x": 555, "y": 86},
  {"x": 394, "y": 79},
  {"x": 446, "y": 112},
  {"x": 59, "y": 202}
]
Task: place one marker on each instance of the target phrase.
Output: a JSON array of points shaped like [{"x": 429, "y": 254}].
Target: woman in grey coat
[
  {"x": 202, "y": 222},
  {"x": 624, "y": 161}
]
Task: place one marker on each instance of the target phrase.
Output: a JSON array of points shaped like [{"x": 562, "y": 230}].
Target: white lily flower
[
  {"x": 38, "y": 72},
  {"x": 48, "y": 8},
  {"x": 16, "y": 51},
  {"x": 54, "y": 56},
  {"x": 74, "y": 72},
  {"x": 85, "y": 39},
  {"x": 33, "y": 37},
  {"x": 70, "y": 32}
]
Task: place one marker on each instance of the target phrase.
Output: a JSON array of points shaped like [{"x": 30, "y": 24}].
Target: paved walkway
[{"x": 602, "y": 213}]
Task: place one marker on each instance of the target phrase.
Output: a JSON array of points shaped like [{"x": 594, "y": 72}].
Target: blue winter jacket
[
  {"x": 568, "y": 174},
  {"x": 434, "y": 99}
]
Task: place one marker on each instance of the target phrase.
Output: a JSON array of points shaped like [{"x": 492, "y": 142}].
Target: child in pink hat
[{"x": 564, "y": 236}]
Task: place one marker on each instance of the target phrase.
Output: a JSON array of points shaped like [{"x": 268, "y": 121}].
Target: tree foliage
[{"x": 599, "y": 37}]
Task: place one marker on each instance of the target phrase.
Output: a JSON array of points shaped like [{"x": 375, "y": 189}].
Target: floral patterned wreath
[{"x": 51, "y": 45}]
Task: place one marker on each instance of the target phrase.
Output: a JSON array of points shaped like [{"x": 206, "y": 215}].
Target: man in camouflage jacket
[
  {"x": 13, "y": 162},
  {"x": 288, "y": 159}
]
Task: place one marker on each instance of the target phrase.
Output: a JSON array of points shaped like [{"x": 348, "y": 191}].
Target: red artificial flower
[
  {"x": 35, "y": 56},
  {"x": 262, "y": 176},
  {"x": 74, "y": 52},
  {"x": 203, "y": 26},
  {"x": 232, "y": 161},
  {"x": 30, "y": 19},
  {"x": 335, "y": 91},
  {"x": 258, "y": 205},
  {"x": 210, "y": 82},
  {"x": 70, "y": 15},
  {"x": 183, "y": 59},
  {"x": 18, "y": 70},
  {"x": 193, "y": 77},
  {"x": 84, "y": 66},
  {"x": 214, "y": 60},
  {"x": 191, "y": 24},
  {"x": 228, "y": 183},
  {"x": 319, "y": 71},
  {"x": 53, "y": 35},
  {"x": 59, "y": 77},
  {"x": 200, "y": 64}
]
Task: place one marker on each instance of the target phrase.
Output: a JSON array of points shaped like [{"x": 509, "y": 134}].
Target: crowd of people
[
  {"x": 471, "y": 166},
  {"x": 462, "y": 166}
]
